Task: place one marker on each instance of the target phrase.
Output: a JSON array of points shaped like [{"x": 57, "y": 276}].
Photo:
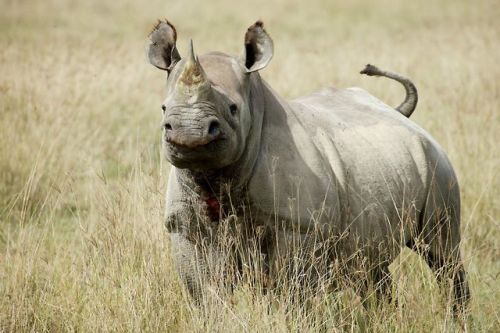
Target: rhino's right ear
[
  {"x": 162, "y": 52},
  {"x": 259, "y": 47}
]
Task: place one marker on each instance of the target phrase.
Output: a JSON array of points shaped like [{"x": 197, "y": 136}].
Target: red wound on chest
[{"x": 213, "y": 207}]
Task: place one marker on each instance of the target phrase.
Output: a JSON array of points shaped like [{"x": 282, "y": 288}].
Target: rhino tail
[{"x": 410, "y": 103}]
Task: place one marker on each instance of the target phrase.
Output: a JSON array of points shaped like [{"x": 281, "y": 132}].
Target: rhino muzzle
[{"x": 200, "y": 134}]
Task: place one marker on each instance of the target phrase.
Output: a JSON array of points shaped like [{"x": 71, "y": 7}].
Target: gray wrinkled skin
[{"x": 336, "y": 164}]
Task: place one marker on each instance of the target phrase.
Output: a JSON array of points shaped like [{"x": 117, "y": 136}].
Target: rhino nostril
[
  {"x": 168, "y": 127},
  {"x": 213, "y": 128}
]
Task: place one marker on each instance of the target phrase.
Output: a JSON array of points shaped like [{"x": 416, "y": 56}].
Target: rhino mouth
[
  {"x": 200, "y": 157},
  {"x": 193, "y": 143}
]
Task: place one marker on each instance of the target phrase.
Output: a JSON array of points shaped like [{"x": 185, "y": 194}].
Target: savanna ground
[{"x": 82, "y": 178}]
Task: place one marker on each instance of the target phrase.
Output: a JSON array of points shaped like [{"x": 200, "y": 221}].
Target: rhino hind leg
[
  {"x": 451, "y": 268},
  {"x": 383, "y": 282},
  {"x": 377, "y": 286},
  {"x": 445, "y": 260},
  {"x": 442, "y": 253}
]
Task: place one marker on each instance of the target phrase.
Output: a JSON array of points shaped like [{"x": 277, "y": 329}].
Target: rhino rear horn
[
  {"x": 259, "y": 47},
  {"x": 162, "y": 52}
]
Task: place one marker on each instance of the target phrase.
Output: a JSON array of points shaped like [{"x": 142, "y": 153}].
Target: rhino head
[{"x": 208, "y": 111}]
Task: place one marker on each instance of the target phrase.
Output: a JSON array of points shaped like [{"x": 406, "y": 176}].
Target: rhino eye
[{"x": 233, "y": 108}]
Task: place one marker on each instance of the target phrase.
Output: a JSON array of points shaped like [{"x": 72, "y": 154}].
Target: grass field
[{"x": 82, "y": 177}]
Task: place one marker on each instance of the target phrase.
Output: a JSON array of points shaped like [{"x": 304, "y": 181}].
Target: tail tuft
[{"x": 371, "y": 70}]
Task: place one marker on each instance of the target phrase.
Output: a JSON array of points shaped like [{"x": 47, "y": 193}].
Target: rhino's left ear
[
  {"x": 162, "y": 52},
  {"x": 258, "y": 47}
]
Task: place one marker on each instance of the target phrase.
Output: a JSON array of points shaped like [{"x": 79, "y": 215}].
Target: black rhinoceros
[{"x": 335, "y": 164}]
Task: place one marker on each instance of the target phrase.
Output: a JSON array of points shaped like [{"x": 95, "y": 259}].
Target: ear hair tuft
[
  {"x": 157, "y": 25},
  {"x": 258, "y": 47}
]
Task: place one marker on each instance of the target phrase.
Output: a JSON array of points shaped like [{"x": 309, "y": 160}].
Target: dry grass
[{"x": 82, "y": 246}]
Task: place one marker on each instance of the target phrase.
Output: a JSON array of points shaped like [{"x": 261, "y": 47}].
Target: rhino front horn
[{"x": 192, "y": 73}]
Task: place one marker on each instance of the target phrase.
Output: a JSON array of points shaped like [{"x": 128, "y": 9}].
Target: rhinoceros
[{"x": 337, "y": 164}]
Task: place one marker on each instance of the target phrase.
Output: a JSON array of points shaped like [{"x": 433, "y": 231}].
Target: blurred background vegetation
[{"x": 82, "y": 178}]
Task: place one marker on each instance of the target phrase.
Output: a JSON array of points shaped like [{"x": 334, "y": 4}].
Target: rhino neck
[{"x": 242, "y": 170}]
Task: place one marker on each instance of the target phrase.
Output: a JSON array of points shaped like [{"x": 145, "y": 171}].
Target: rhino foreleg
[{"x": 188, "y": 263}]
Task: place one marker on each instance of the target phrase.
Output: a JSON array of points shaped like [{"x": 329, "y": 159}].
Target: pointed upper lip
[{"x": 192, "y": 141}]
